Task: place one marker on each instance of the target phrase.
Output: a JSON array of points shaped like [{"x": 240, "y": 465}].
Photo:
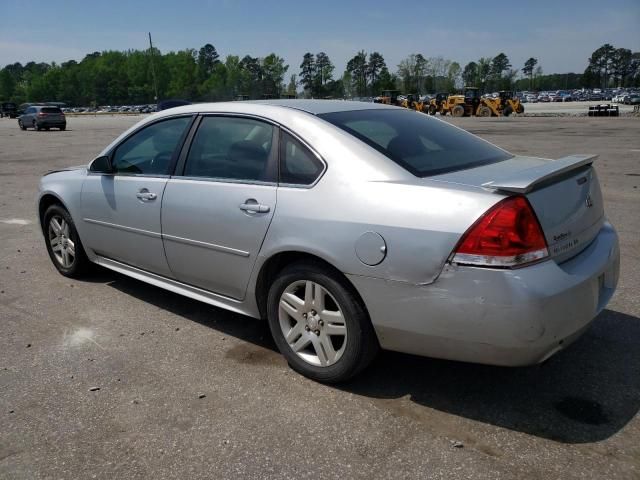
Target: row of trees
[
  {"x": 113, "y": 78},
  {"x": 134, "y": 76}
]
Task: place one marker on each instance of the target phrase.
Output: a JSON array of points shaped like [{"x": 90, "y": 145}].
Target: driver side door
[{"x": 121, "y": 209}]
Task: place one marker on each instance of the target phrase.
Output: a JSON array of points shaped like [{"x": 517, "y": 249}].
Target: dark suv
[{"x": 42, "y": 117}]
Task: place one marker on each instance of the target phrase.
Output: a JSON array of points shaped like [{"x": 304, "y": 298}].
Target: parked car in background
[
  {"x": 8, "y": 109},
  {"x": 41, "y": 117},
  {"x": 391, "y": 229},
  {"x": 633, "y": 99}
]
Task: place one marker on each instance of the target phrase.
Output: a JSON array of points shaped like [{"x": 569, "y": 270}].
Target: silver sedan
[{"x": 349, "y": 227}]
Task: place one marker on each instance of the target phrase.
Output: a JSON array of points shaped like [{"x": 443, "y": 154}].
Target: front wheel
[
  {"x": 484, "y": 111},
  {"x": 21, "y": 125},
  {"x": 63, "y": 243},
  {"x": 319, "y": 324},
  {"x": 457, "y": 111}
]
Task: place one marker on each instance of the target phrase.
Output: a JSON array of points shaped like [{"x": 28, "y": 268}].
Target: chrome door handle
[
  {"x": 251, "y": 206},
  {"x": 145, "y": 194}
]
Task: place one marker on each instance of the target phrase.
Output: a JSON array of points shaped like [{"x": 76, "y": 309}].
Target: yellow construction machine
[
  {"x": 504, "y": 105},
  {"x": 462, "y": 105},
  {"x": 388, "y": 97},
  {"x": 413, "y": 102}
]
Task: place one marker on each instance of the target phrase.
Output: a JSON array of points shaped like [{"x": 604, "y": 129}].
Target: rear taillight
[
  {"x": 508, "y": 235},
  {"x": 41, "y": 114}
]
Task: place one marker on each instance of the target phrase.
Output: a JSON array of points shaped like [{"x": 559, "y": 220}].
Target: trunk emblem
[{"x": 588, "y": 202}]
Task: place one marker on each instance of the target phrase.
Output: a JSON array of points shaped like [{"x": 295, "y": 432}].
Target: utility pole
[{"x": 153, "y": 70}]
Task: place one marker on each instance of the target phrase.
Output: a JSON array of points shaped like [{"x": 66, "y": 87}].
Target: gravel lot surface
[{"x": 111, "y": 378}]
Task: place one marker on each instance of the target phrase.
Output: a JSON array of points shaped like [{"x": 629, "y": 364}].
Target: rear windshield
[
  {"x": 51, "y": 110},
  {"x": 424, "y": 146}
]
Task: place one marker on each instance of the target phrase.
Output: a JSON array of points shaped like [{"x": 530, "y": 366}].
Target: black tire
[
  {"x": 361, "y": 341},
  {"x": 507, "y": 111},
  {"x": 22, "y": 127},
  {"x": 81, "y": 263},
  {"x": 483, "y": 111},
  {"x": 457, "y": 111},
  {"x": 63, "y": 128},
  {"x": 520, "y": 109},
  {"x": 432, "y": 109}
]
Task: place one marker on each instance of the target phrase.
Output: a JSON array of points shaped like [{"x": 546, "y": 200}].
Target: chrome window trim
[
  {"x": 146, "y": 175},
  {"x": 225, "y": 180}
]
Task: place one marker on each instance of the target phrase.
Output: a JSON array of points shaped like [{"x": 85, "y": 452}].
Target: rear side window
[
  {"x": 232, "y": 148},
  {"x": 150, "y": 150},
  {"x": 424, "y": 146},
  {"x": 298, "y": 165},
  {"x": 51, "y": 110}
]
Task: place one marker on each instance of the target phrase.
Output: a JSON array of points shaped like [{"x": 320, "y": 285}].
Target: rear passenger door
[{"x": 217, "y": 208}]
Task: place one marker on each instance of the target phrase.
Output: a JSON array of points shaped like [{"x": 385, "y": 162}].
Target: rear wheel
[
  {"x": 318, "y": 323},
  {"x": 432, "y": 109},
  {"x": 484, "y": 111},
  {"x": 520, "y": 108},
  {"x": 507, "y": 111},
  {"x": 21, "y": 125},
  {"x": 64, "y": 127},
  {"x": 63, "y": 243},
  {"x": 457, "y": 111}
]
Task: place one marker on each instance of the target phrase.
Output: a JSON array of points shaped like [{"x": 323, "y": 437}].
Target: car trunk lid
[{"x": 565, "y": 195}]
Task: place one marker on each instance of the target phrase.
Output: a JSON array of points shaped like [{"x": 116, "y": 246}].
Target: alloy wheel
[
  {"x": 62, "y": 246},
  {"x": 312, "y": 323}
]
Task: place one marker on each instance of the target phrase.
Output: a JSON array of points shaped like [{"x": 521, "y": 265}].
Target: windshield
[{"x": 424, "y": 146}]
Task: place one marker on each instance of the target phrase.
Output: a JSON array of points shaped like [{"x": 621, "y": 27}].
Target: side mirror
[{"x": 101, "y": 165}]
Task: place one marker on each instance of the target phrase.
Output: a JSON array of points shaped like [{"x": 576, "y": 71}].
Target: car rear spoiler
[{"x": 527, "y": 179}]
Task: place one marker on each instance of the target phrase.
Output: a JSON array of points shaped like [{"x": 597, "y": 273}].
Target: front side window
[
  {"x": 150, "y": 150},
  {"x": 424, "y": 146},
  {"x": 298, "y": 165},
  {"x": 231, "y": 148}
]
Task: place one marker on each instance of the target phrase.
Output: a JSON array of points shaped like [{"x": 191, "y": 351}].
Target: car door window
[
  {"x": 150, "y": 150},
  {"x": 298, "y": 166},
  {"x": 231, "y": 148}
]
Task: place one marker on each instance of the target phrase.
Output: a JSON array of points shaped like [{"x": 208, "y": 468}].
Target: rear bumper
[
  {"x": 51, "y": 123},
  {"x": 500, "y": 317}
]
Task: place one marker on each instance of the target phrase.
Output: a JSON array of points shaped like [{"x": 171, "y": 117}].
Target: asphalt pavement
[{"x": 109, "y": 377}]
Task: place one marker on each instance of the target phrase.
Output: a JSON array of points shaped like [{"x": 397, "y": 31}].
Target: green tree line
[{"x": 136, "y": 76}]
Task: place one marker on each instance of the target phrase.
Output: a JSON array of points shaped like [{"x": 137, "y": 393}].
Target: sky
[{"x": 560, "y": 34}]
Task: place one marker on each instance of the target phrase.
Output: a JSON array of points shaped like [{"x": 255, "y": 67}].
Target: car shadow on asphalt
[{"x": 585, "y": 393}]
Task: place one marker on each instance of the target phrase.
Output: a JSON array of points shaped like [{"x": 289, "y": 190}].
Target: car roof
[
  {"x": 315, "y": 107},
  {"x": 318, "y": 107}
]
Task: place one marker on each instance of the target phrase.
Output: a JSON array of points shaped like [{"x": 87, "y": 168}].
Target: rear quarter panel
[{"x": 420, "y": 221}]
